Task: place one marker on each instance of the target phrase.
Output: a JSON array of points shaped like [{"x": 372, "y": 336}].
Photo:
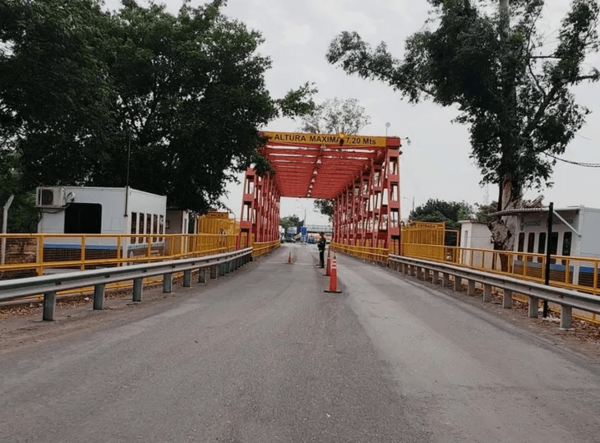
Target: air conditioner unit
[{"x": 51, "y": 198}]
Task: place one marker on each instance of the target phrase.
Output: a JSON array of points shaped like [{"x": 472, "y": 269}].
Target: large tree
[
  {"x": 334, "y": 116},
  {"x": 442, "y": 211},
  {"x": 182, "y": 95},
  {"x": 56, "y": 97},
  {"x": 491, "y": 58}
]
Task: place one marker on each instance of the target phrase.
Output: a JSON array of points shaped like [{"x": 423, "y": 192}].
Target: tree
[
  {"x": 291, "y": 221},
  {"x": 442, "y": 211},
  {"x": 333, "y": 117},
  {"x": 183, "y": 94},
  {"x": 492, "y": 63},
  {"x": 336, "y": 116},
  {"x": 325, "y": 207},
  {"x": 55, "y": 93}
]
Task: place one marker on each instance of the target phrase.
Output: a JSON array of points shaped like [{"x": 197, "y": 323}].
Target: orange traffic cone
[
  {"x": 333, "y": 283},
  {"x": 328, "y": 267},
  {"x": 290, "y": 259}
]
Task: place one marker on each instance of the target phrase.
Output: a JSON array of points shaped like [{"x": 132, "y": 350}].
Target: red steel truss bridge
[{"x": 360, "y": 173}]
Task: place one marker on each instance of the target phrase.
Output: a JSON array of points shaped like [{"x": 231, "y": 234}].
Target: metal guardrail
[
  {"x": 49, "y": 285},
  {"x": 565, "y": 298}
]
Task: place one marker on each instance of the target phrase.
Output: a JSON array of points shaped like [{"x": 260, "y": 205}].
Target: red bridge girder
[{"x": 360, "y": 173}]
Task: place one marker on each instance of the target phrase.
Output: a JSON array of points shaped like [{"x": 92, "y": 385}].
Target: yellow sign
[
  {"x": 293, "y": 138},
  {"x": 218, "y": 215}
]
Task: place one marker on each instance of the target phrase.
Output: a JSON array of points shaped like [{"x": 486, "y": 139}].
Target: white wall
[
  {"x": 590, "y": 233},
  {"x": 114, "y": 220},
  {"x": 477, "y": 236}
]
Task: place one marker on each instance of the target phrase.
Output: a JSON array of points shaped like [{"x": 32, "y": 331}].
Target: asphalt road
[{"x": 267, "y": 356}]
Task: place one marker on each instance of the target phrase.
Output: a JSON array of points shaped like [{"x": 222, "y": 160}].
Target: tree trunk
[{"x": 504, "y": 228}]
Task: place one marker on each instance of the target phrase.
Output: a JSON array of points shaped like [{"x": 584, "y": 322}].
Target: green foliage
[
  {"x": 325, "y": 207},
  {"x": 184, "y": 93},
  {"x": 442, "y": 211},
  {"x": 290, "y": 221},
  {"x": 22, "y": 214},
  {"x": 514, "y": 97}
]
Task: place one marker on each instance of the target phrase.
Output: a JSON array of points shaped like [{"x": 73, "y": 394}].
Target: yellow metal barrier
[
  {"x": 576, "y": 273},
  {"x": 264, "y": 248},
  {"x": 37, "y": 254},
  {"x": 363, "y": 252}
]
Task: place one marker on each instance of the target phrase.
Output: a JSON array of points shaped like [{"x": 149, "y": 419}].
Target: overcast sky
[{"x": 436, "y": 164}]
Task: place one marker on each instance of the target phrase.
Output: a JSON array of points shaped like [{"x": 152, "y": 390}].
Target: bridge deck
[{"x": 266, "y": 356}]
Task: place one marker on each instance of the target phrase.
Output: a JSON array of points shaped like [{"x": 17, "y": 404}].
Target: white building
[
  {"x": 476, "y": 235},
  {"x": 95, "y": 210},
  {"x": 575, "y": 233}
]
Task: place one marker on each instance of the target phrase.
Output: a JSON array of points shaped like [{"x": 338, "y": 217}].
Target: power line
[{"x": 585, "y": 165}]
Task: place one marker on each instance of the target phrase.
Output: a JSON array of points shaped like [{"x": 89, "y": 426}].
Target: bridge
[{"x": 232, "y": 338}]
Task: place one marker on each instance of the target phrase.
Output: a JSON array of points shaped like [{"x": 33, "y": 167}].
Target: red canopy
[{"x": 321, "y": 165}]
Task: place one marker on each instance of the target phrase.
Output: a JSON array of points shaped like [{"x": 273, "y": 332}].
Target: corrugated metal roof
[{"x": 518, "y": 211}]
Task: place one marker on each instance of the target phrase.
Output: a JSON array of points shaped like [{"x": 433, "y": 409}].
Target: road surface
[{"x": 265, "y": 355}]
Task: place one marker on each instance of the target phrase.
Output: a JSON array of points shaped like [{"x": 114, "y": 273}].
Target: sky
[{"x": 436, "y": 164}]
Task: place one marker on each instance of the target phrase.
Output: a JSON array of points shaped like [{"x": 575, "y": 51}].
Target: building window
[
  {"x": 148, "y": 227},
  {"x": 554, "y": 243},
  {"x": 161, "y": 225},
  {"x": 466, "y": 239},
  {"x": 542, "y": 243},
  {"x": 133, "y": 226},
  {"x": 521, "y": 242},
  {"x": 141, "y": 231},
  {"x": 567, "y": 243},
  {"x": 155, "y": 227},
  {"x": 83, "y": 218}
]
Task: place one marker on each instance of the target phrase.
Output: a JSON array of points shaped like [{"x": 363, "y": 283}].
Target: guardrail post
[
  {"x": 137, "y": 289},
  {"x": 435, "y": 279},
  {"x": 457, "y": 283},
  {"x": 187, "y": 278},
  {"x": 167, "y": 283},
  {"x": 49, "y": 306},
  {"x": 419, "y": 273},
  {"x": 487, "y": 293},
  {"x": 507, "y": 299},
  {"x": 446, "y": 280},
  {"x": 534, "y": 306},
  {"x": 99, "y": 297},
  {"x": 471, "y": 287},
  {"x": 202, "y": 275},
  {"x": 566, "y": 317},
  {"x": 221, "y": 269},
  {"x": 214, "y": 272}
]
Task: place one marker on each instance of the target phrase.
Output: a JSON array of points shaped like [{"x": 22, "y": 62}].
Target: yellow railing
[
  {"x": 579, "y": 273},
  {"x": 264, "y": 248},
  {"x": 576, "y": 273},
  {"x": 37, "y": 254},
  {"x": 364, "y": 252}
]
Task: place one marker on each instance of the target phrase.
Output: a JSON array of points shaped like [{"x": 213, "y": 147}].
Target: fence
[
  {"x": 363, "y": 252},
  {"x": 29, "y": 255}
]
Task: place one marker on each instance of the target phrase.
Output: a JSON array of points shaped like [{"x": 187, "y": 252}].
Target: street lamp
[
  {"x": 387, "y": 125},
  {"x": 413, "y": 202}
]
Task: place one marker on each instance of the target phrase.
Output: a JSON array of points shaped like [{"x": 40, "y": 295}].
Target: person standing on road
[{"x": 321, "y": 245}]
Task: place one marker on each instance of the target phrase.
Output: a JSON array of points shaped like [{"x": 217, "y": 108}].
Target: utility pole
[
  {"x": 548, "y": 254},
  {"x": 5, "y": 209}
]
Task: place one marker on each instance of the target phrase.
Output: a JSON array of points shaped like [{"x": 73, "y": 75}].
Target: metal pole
[
  {"x": 548, "y": 254},
  {"x": 127, "y": 176},
  {"x": 5, "y": 227}
]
